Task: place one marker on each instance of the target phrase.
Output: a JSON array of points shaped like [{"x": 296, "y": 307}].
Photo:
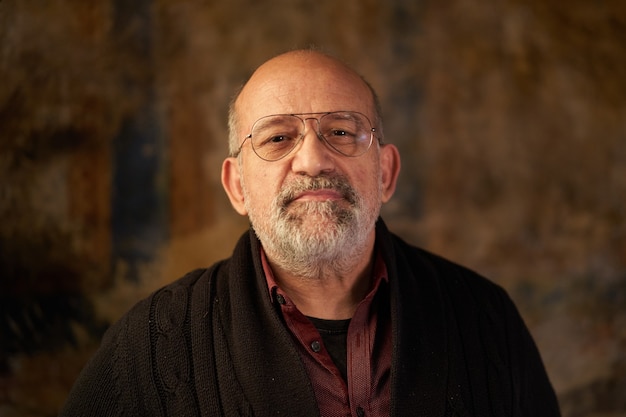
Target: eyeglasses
[{"x": 273, "y": 137}]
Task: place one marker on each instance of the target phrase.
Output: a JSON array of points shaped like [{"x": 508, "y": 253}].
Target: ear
[
  {"x": 390, "y": 169},
  {"x": 231, "y": 181}
]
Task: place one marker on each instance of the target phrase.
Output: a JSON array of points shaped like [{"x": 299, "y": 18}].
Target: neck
[{"x": 329, "y": 290}]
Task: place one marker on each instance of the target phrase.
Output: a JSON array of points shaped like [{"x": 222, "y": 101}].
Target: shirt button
[
  {"x": 280, "y": 299},
  {"x": 316, "y": 346},
  {"x": 360, "y": 412}
]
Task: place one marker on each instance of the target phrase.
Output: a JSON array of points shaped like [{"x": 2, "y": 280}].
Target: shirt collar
[{"x": 380, "y": 274}]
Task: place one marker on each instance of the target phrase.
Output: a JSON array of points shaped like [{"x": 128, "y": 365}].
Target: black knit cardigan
[{"x": 212, "y": 344}]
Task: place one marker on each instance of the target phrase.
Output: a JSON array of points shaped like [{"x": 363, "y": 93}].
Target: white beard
[{"x": 308, "y": 238}]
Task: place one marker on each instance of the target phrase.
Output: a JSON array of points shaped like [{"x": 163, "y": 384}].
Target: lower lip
[{"x": 319, "y": 196}]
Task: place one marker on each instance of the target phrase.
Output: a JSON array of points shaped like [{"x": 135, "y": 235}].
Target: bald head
[{"x": 302, "y": 81}]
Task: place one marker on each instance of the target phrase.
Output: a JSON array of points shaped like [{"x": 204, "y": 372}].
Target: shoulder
[
  {"x": 146, "y": 351},
  {"x": 167, "y": 304},
  {"x": 425, "y": 261},
  {"x": 460, "y": 284},
  {"x": 176, "y": 297}
]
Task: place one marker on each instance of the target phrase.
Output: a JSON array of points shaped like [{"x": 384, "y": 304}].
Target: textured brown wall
[{"x": 510, "y": 116}]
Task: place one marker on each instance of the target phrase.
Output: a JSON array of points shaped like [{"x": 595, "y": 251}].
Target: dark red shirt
[{"x": 369, "y": 346}]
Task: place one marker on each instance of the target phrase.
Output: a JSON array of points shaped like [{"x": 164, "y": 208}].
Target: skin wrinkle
[{"x": 314, "y": 210}]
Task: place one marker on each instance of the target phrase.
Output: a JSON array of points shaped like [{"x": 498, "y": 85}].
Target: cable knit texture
[{"x": 212, "y": 344}]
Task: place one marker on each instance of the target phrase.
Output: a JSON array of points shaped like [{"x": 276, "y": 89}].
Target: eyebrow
[{"x": 272, "y": 120}]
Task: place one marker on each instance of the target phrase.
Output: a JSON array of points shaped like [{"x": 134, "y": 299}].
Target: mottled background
[{"x": 510, "y": 116}]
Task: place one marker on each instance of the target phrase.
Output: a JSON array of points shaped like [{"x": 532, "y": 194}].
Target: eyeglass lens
[{"x": 273, "y": 137}]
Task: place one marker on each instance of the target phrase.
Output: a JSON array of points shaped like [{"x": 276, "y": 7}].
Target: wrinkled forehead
[{"x": 299, "y": 84}]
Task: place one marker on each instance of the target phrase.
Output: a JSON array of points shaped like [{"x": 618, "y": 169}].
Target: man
[{"x": 320, "y": 310}]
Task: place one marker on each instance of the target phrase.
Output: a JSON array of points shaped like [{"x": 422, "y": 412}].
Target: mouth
[
  {"x": 319, "y": 189},
  {"x": 320, "y": 195}
]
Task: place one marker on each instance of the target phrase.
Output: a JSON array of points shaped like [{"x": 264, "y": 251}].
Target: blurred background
[{"x": 510, "y": 116}]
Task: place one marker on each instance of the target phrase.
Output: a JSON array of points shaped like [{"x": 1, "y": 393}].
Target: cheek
[
  {"x": 372, "y": 176},
  {"x": 367, "y": 183},
  {"x": 261, "y": 188}
]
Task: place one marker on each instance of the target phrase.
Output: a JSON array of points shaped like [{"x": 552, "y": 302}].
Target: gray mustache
[{"x": 335, "y": 183}]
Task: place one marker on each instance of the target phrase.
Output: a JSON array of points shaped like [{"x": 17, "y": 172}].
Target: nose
[{"x": 312, "y": 157}]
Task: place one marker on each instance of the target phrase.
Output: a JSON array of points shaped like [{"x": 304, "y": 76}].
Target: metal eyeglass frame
[{"x": 320, "y": 136}]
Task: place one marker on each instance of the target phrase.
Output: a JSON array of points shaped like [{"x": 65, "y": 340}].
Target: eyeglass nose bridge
[{"x": 317, "y": 130}]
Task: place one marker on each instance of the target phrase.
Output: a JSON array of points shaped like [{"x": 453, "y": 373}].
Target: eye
[
  {"x": 339, "y": 127},
  {"x": 340, "y": 136},
  {"x": 337, "y": 132},
  {"x": 277, "y": 139}
]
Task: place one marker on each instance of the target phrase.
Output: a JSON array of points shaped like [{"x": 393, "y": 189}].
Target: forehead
[{"x": 302, "y": 84}]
